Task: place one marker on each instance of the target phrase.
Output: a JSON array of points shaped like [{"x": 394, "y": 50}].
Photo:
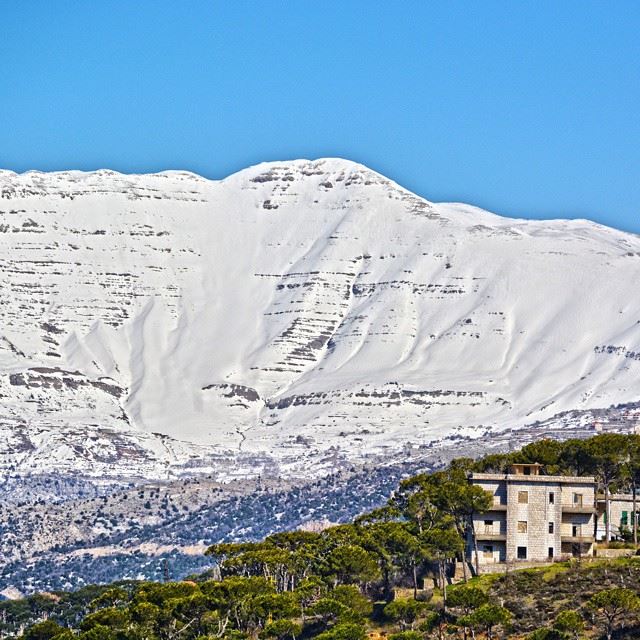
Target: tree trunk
[
  {"x": 475, "y": 549},
  {"x": 610, "y": 622},
  {"x": 462, "y": 531},
  {"x": 415, "y": 581},
  {"x": 464, "y": 566},
  {"x": 635, "y": 518},
  {"x": 607, "y": 523}
]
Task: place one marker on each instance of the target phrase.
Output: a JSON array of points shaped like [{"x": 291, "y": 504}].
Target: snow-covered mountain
[{"x": 294, "y": 313}]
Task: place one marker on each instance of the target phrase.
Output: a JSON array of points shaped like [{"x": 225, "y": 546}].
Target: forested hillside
[{"x": 386, "y": 573}]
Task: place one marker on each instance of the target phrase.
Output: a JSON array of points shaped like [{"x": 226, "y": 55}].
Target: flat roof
[
  {"x": 517, "y": 477},
  {"x": 623, "y": 497}
]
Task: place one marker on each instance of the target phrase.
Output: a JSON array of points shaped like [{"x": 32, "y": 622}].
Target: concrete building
[
  {"x": 621, "y": 515},
  {"x": 534, "y": 518}
]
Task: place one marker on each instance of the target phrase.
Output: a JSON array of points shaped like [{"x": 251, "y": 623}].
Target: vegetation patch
[{"x": 387, "y": 574}]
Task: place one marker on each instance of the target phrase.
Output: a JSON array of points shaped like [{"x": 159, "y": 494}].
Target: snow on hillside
[{"x": 297, "y": 311}]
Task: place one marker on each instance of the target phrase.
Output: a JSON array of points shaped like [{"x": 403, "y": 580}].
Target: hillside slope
[{"x": 291, "y": 316}]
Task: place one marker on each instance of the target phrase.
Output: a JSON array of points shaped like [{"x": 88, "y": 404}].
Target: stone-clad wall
[
  {"x": 537, "y": 513},
  {"x": 585, "y": 522},
  {"x": 587, "y": 491}
]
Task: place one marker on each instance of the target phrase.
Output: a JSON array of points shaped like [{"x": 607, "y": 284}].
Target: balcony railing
[
  {"x": 580, "y": 539},
  {"x": 493, "y": 531},
  {"x": 572, "y": 507},
  {"x": 482, "y": 535}
]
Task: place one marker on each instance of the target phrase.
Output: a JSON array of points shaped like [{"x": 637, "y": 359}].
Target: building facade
[
  {"x": 534, "y": 518},
  {"x": 622, "y": 514}
]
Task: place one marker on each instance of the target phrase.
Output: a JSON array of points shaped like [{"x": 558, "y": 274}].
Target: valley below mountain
[{"x": 159, "y": 530}]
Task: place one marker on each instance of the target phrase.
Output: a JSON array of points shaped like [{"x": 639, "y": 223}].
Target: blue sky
[{"x": 525, "y": 108}]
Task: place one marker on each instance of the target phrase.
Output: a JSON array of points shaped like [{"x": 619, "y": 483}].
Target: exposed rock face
[{"x": 293, "y": 312}]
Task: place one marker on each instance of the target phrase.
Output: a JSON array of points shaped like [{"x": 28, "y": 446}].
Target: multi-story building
[
  {"x": 534, "y": 518},
  {"x": 622, "y": 515}
]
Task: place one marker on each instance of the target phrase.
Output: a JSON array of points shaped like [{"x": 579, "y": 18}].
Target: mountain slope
[{"x": 301, "y": 312}]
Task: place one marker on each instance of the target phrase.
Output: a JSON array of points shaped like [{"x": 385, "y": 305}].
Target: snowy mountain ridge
[{"x": 291, "y": 316}]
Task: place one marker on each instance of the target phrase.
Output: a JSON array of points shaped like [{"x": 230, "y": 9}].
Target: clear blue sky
[{"x": 524, "y": 108}]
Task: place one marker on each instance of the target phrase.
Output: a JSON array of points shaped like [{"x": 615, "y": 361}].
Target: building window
[
  {"x": 522, "y": 553},
  {"x": 488, "y": 526},
  {"x": 575, "y": 531},
  {"x": 487, "y": 551},
  {"x": 577, "y": 499},
  {"x": 523, "y": 497},
  {"x": 522, "y": 526},
  {"x": 551, "y": 527},
  {"x": 551, "y": 552},
  {"x": 552, "y": 498},
  {"x": 624, "y": 519}
]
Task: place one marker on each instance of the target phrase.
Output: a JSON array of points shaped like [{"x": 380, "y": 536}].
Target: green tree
[
  {"x": 144, "y": 613},
  {"x": 344, "y": 631},
  {"x": 282, "y": 630},
  {"x": 404, "y": 611},
  {"x": 443, "y": 545},
  {"x": 546, "y": 633},
  {"x": 607, "y": 455},
  {"x": 494, "y": 463},
  {"x": 399, "y": 548},
  {"x": 430, "y": 622},
  {"x": 99, "y": 632},
  {"x": 576, "y": 458},
  {"x": 349, "y": 564},
  {"x": 328, "y": 610},
  {"x": 569, "y": 622},
  {"x": 612, "y": 605},
  {"x": 417, "y": 500},
  {"x": 45, "y": 630},
  {"x": 467, "y": 599},
  {"x": 351, "y": 597},
  {"x": 461, "y": 500},
  {"x": 487, "y": 617},
  {"x": 113, "y": 597},
  {"x": 235, "y": 600},
  {"x": 546, "y": 452},
  {"x": 108, "y": 617},
  {"x": 309, "y": 591}
]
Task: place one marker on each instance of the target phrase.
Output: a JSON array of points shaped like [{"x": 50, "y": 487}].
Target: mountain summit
[{"x": 294, "y": 312}]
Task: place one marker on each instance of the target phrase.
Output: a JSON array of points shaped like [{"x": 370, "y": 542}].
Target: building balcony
[
  {"x": 578, "y": 508},
  {"x": 496, "y": 506},
  {"x": 578, "y": 539},
  {"x": 497, "y": 537}
]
